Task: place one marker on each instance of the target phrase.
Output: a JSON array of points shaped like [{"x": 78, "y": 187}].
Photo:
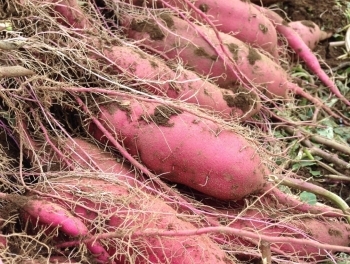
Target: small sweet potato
[{"x": 310, "y": 32}]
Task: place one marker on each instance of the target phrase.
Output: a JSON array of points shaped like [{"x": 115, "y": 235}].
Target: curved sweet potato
[
  {"x": 321, "y": 229},
  {"x": 155, "y": 76}
]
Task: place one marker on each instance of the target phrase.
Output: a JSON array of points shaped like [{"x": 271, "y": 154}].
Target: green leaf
[
  {"x": 315, "y": 173},
  {"x": 327, "y": 132},
  {"x": 302, "y": 164},
  {"x": 308, "y": 198}
]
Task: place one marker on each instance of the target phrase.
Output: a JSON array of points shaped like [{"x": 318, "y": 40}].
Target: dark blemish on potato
[
  {"x": 202, "y": 53},
  {"x": 148, "y": 26},
  {"x": 285, "y": 23},
  {"x": 263, "y": 28},
  {"x": 334, "y": 232},
  {"x": 153, "y": 64},
  {"x": 233, "y": 48},
  {"x": 122, "y": 105},
  {"x": 242, "y": 101},
  {"x": 203, "y": 7},
  {"x": 253, "y": 56}
]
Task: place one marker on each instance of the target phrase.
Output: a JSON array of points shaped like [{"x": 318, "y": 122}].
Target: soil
[{"x": 328, "y": 15}]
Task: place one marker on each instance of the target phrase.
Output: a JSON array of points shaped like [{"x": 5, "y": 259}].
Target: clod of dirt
[
  {"x": 243, "y": 101},
  {"x": 162, "y": 115}
]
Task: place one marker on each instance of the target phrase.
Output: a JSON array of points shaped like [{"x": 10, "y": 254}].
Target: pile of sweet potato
[{"x": 127, "y": 140}]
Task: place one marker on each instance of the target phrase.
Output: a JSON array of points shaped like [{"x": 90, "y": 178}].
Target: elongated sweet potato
[
  {"x": 52, "y": 215},
  {"x": 177, "y": 39},
  {"x": 321, "y": 229},
  {"x": 185, "y": 149},
  {"x": 152, "y": 74},
  {"x": 236, "y": 17},
  {"x": 301, "y": 49}
]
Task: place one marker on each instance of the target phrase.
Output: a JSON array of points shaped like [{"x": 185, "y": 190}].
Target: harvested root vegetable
[
  {"x": 236, "y": 17},
  {"x": 152, "y": 74},
  {"x": 52, "y": 215},
  {"x": 155, "y": 76},
  {"x": 177, "y": 39},
  {"x": 116, "y": 208},
  {"x": 170, "y": 143},
  {"x": 320, "y": 229},
  {"x": 183, "y": 148},
  {"x": 309, "y": 32}
]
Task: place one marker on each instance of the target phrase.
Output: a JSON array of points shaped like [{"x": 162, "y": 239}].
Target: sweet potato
[
  {"x": 72, "y": 14},
  {"x": 170, "y": 143},
  {"x": 152, "y": 74},
  {"x": 183, "y": 148},
  {"x": 117, "y": 208},
  {"x": 236, "y": 17},
  {"x": 309, "y": 32},
  {"x": 52, "y": 215},
  {"x": 177, "y": 39},
  {"x": 323, "y": 230}
]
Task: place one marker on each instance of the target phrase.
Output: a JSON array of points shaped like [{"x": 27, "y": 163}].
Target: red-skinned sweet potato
[
  {"x": 236, "y": 17},
  {"x": 185, "y": 149},
  {"x": 153, "y": 75},
  {"x": 309, "y": 32},
  {"x": 177, "y": 39},
  {"x": 302, "y": 50},
  {"x": 321, "y": 229}
]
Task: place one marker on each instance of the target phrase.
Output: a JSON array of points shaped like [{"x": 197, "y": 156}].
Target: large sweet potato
[{"x": 183, "y": 148}]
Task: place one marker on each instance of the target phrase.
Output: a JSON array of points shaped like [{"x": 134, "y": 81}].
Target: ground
[{"x": 329, "y": 15}]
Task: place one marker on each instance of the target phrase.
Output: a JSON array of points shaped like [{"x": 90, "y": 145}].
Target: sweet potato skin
[
  {"x": 185, "y": 149},
  {"x": 310, "y": 33}
]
